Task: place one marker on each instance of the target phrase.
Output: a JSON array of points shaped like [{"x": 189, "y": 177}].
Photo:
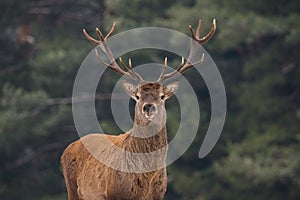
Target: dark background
[{"x": 256, "y": 48}]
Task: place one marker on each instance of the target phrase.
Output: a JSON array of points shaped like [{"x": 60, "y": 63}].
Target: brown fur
[{"x": 89, "y": 179}]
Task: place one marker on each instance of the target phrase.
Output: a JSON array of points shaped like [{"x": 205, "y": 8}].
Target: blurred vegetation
[{"x": 256, "y": 48}]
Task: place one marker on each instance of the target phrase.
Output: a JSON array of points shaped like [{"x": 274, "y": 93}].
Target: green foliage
[
  {"x": 265, "y": 166},
  {"x": 263, "y": 91},
  {"x": 39, "y": 60}
]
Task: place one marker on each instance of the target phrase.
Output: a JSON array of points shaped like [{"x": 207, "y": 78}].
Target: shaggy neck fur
[
  {"x": 147, "y": 136},
  {"x": 146, "y": 144}
]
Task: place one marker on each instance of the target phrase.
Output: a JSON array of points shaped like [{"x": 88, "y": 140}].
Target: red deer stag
[{"x": 89, "y": 179}]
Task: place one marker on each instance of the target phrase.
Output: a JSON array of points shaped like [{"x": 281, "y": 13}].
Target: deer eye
[
  {"x": 137, "y": 97},
  {"x": 163, "y": 97}
]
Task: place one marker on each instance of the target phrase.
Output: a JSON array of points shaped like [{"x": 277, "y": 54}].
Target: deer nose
[{"x": 149, "y": 108}]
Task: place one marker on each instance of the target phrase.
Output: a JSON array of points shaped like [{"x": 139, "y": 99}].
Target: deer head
[
  {"x": 150, "y": 97},
  {"x": 150, "y": 100}
]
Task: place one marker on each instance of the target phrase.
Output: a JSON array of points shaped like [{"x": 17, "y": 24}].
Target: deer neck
[{"x": 147, "y": 136}]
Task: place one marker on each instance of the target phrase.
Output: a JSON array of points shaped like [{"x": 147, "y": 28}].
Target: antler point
[
  {"x": 130, "y": 63},
  {"x": 166, "y": 61},
  {"x": 202, "y": 58}
]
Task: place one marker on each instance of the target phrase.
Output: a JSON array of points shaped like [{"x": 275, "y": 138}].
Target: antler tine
[
  {"x": 188, "y": 65},
  {"x": 102, "y": 43},
  {"x": 100, "y": 35},
  {"x": 181, "y": 64},
  {"x": 197, "y": 35},
  {"x": 130, "y": 63},
  {"x": 161, "y": 76},
  {"x": 130, "y": 70},
  {"x": 111, "y": 30},
  {"x": 198, "y": 28},
  {"x": 205, "y": 38},
  {"x": 184, "y": 66},
  {"x": 172, "y": 74},
  {"x": 111, "y": 66},
  {"x": 90, "y": 38},
  {"x": 123, "y": 64}
]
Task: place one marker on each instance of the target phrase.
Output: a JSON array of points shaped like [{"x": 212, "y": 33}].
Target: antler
[
  {"x": 102, "y": 42},
  {"x": 184, "y": 66}
]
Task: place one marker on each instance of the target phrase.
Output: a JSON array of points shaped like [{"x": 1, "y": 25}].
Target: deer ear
[
  {"x": 170, "y": 89},
  {"x": 130, "y": 89}
]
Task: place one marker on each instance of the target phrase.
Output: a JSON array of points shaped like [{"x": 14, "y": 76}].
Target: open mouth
[{"x": 149, "y": 115}]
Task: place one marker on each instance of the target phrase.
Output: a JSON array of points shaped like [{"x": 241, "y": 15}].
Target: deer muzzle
[{"x": 149, "y": 110}]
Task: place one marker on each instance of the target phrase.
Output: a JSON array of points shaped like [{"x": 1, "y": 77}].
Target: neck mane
[
  {"x": 146, "y": 137},
  {"x": 145, "y": 145}
]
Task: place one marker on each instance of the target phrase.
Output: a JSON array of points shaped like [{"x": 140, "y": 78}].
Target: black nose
[{"x": 149, "y": 108}]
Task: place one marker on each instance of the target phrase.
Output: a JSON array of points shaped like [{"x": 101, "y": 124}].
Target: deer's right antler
[{"x": 102, "y": 43}]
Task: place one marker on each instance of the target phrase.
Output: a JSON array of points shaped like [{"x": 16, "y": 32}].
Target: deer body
[
  {"x": 130, "y": 166},
  {"x": 89, "y": 179}
]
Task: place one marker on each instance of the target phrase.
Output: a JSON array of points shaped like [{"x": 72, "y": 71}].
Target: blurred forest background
[{"x": 256, "y": 48}]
